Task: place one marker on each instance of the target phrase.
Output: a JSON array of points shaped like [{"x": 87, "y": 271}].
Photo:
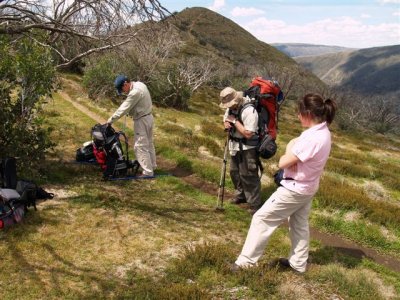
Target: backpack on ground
[
  {"x": 107, "y": 149},
  {"x": 11, "y": 210},
  {"x": 16, "y": 195},
  {"x": 266, "y": 96}
]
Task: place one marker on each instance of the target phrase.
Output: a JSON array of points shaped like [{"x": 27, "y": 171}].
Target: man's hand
[
  {"x": 227, "y": 126},
  {"x": 231, "y": 119}
]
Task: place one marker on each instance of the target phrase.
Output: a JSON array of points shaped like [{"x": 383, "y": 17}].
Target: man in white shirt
[
  {"x": 138, "y": 104},
  {"x": 241, "y": 119}
]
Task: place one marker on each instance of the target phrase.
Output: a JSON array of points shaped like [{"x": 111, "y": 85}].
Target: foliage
[
  {"x": 99, "y": 76},
  {"x": 26, "y": 78}
]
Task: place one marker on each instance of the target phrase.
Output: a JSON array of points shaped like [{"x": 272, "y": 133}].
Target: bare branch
[{"x": 100, "y": 25}]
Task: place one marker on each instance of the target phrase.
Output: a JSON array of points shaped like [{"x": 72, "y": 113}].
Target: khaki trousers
[
  {"x": 282, "y": 204},
  {"x": 245, "y": 177},
  {"x": 144, "y": 145}
]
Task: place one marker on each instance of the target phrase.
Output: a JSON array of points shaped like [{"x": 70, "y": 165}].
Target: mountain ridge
[
  {"x": 367, "y": 71},
  {"x": 295, "y": 50}
]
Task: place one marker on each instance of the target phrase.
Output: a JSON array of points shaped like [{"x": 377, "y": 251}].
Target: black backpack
[{"x": 117, "y": 162}]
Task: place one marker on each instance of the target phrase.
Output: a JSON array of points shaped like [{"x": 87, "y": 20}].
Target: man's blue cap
[{"x": 119, "y": 82}]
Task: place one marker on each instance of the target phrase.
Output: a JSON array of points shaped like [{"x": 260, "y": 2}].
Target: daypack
[
  {"x": 266, "y": 96},
  {"x": 107, "y": 149}
]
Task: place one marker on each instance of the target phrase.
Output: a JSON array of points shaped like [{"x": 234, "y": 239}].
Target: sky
[{"x": 347, "y": 23}]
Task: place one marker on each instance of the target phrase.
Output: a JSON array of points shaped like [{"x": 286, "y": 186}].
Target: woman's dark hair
[{"x": 317, "y": 108}]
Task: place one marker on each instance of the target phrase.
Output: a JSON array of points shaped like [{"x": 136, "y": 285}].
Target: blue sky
[{"x": 348, "y": 23}]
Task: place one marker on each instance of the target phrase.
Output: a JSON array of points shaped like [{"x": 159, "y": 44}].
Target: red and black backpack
[{"x": 266, "y": 96}]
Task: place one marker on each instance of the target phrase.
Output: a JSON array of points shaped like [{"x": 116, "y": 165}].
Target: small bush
[
  {"x": 348, "y": 282},
  {"x": 99, "y": 78}
]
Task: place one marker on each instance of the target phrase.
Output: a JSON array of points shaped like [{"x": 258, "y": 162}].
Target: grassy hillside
[
  {"x": 233, "y": 50},
  {"x": 298, "y": 49},
  {"x": 162, "y": 239},
  {"x": 368, "y": 71},
  {"x": 211, "y": 32}
]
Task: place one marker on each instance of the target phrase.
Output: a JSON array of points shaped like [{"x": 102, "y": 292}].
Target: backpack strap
[{"x": 253, "y": 141}]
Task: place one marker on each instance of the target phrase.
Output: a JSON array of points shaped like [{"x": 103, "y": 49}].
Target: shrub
[
  {"x": 99, "y": 77},
  {"x": 26, "y": 78}
]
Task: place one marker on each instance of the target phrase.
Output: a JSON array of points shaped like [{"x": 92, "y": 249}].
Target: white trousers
[
  {"x": 282, "y": 204},
  {"x": 144, "y": 145}
]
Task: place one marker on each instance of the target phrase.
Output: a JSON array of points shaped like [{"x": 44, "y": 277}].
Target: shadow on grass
[
  {"x": 162, "y": 209},
  {"x": 348, "y": 257}
]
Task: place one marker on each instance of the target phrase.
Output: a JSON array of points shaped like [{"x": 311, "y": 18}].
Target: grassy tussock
[
  {"x": 214, "y": 129},
  {"x": 186, "y": 139},
  {"x": 353, "y": 283},
  {"x": 336, "y": 193},
  {"x": 208, "y": 265},
  {"x": 349, "y": 168}
]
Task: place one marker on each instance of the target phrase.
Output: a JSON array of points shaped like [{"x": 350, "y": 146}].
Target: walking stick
[{"x": 221, "y": 189}]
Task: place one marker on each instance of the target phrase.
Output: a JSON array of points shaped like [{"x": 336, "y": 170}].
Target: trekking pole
[{"x": 221, "y": 188}]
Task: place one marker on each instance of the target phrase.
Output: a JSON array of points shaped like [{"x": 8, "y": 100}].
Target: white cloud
[
  {"x": 343, "y": 31},
  {"x": 217, "y": 5},
  {"x": 389, "y": 1},
  {"x": 365, "y": 16},
  {"x": 396, "y": 14},
  {"x": 246, "y": 12}
]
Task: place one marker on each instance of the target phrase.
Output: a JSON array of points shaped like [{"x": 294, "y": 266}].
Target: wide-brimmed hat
[
  {"x": 229, "y": 97},
  {"x": 119, "y": 83}
]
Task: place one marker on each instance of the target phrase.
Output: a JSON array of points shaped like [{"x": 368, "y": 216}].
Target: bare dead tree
[
  {"x": 286, "y": 77},
  {"x": 195, "y": 72},
  {"x": 74, "y": 29},
  {"x": 161, "y": 43},
  {"x": 382, "y": 111},
  {"x": 184, "y": 78}
]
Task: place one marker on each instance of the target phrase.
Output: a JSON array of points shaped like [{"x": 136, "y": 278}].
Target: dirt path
[{"x": 340, "y": 244}]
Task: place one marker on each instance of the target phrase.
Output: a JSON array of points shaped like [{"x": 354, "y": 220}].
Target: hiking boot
[
  {"x": 238, "y": 201},
  {"x": 234, "y": 268},
  {"x": 283, "y": 264}
]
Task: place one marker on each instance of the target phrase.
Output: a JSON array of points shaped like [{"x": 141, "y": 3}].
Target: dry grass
[{"x": 162, "y": 239}]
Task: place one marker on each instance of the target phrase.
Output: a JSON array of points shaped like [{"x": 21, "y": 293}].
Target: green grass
[
  {"x": 163, "y": 239},
  {"x": 336, "y": 193},
  {"x": 363, "y": 232}
]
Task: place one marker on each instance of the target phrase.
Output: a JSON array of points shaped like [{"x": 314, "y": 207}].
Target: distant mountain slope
[
  {"x": 297, "y": 49},
  {"x": 210, "y": 35},
  {"x": 368, "y": 71}
]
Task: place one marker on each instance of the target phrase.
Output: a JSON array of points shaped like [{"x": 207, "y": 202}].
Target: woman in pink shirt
[{"x": 303, "y": 162}]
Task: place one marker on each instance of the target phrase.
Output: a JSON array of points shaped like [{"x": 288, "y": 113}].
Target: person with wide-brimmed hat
[
  {"x": 138, "y": 104},
  {"x": 241, "y": 121}
]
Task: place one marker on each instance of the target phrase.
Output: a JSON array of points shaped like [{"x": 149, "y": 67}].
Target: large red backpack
[{"x": 266, "y": 96}]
